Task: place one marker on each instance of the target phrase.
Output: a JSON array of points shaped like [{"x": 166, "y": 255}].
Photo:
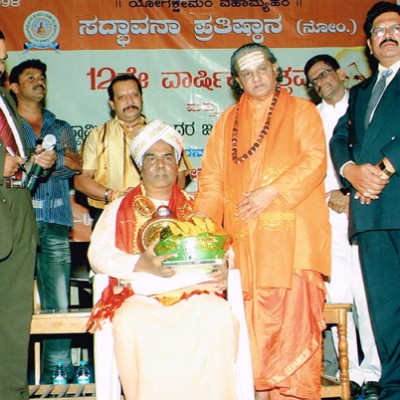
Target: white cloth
[
  {"x": 346, "y": 285},
  {"x": 106, "y": 258},
  {"x": 330, "y": 116},
  {"x": 185, "y": 351}
]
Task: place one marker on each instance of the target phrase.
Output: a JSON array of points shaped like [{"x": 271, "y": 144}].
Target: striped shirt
[{"x": 51, "y": 197}]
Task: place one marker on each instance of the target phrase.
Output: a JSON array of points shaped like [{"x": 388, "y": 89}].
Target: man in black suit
[
  {"x": 18, "y": 242},
  {"x": 366, "y": 152}
]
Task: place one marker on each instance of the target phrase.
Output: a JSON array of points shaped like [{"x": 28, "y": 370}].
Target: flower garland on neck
[{"x": 263, "y": 133}]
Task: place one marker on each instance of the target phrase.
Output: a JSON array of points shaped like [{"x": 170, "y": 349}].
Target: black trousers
[{"x": 380, "y": 261}]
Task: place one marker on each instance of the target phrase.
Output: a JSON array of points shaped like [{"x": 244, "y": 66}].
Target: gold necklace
[{"x": 263, "y": 133}]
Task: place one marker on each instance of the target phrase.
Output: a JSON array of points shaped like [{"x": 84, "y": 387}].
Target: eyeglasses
[
  {"x": 380, "y": 31},
  {"x": 321, "y": 76}
]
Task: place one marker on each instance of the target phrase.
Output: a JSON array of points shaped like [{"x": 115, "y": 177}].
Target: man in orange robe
[{"x": 262, "y": 178}]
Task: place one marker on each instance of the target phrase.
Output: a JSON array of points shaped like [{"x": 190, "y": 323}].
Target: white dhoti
[{"x": 179, "y": 352}]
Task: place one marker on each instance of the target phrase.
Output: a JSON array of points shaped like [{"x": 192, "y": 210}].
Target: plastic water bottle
[
  {"x": 60, "y": 375},
  {"x": 83, "y": 373}
]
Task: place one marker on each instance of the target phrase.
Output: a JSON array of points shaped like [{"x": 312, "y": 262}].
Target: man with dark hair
[
  {"x": 326, "y": 77},
  {"x": 108, "y": 171},
  {"x": 263, "y": 177},
  {"x": 18, "y": 243},
  {"x": 365, "y": 149},
  {"x": 51, "y": 202},
  {"x": 123, "y": 78},
  {"x": 19, "y": 69}
]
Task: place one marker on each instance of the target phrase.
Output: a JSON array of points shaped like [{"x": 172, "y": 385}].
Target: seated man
[{"x": 175, "y": 337}]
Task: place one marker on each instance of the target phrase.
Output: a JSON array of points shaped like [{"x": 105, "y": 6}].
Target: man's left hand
[
  {"x": 255, "y": 202},
  {"x": 45, "y": 159},
  {"x": 338, "y": 201}
]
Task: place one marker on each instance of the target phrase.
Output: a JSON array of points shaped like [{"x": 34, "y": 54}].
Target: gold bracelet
[
  {"x": 383, "y": 168},
  {"x": 107, "y": 195}
]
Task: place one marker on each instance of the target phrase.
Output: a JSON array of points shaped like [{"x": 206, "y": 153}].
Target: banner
[{"x": 179, "y": 50}]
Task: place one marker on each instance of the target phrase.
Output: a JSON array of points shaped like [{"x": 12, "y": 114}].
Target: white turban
[{"x": 152, "y": 133}]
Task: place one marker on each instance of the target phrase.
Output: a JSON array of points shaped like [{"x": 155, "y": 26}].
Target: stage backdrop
[{"x": 180, "y": 51}]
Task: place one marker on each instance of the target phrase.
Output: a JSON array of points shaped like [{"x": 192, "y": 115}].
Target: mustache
[
  {"x": 389, "y": 40},
  {"x": 131, "y": 106},
  {"x": 40, "y": 85}
]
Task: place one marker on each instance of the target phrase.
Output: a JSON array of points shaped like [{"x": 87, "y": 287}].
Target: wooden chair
[
  {"x": 74, "y": 321},
  {"x": 336, "y": 314},
  {"x": 50, "y": 323}
]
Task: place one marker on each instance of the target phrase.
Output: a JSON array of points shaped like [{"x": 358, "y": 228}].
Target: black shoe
[
  {"x": 355, "y": 390},
  {"x": 372, "y": 391}
]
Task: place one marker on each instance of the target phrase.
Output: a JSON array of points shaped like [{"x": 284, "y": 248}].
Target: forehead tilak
[{"x": 251, "y": 60}]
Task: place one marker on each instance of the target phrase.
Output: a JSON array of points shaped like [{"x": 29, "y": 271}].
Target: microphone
[{"x": 48, "y": 143}]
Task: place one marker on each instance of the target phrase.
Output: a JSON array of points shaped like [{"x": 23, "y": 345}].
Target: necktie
[
  {"x": 376, "y": 95},
  {"x": 6, "y": 134}
]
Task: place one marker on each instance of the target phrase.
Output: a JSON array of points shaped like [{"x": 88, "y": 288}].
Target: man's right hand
[
  {"x": 72, "y": 160},
  {"x": 152, "y": 264},
  {"x": 366, "y": 179},
  {"x": 12, "y": 165}
]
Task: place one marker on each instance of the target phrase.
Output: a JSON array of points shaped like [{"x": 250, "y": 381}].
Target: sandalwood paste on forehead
[{"x": 250, "y": 60}]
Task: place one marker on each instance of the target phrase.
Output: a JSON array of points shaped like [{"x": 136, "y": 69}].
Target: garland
[{"x": 263, "y": 133}]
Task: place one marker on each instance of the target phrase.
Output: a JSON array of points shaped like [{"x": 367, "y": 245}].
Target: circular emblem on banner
[{"x": 41, "y": 27}]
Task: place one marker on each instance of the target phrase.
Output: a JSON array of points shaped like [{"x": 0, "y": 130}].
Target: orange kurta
[{"x": 293, "y": 234}]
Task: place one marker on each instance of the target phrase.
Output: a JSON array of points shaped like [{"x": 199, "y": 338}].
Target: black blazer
[{"x": 351, "y": 141}]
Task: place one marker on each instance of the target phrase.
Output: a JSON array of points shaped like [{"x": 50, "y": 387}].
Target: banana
[
  {"x": 184, "y": 226},
  {"x": 210, "y": 225},
  {"x": 176, "y": 231},
  {"x": 200, "y": 223},
  {"x": 194, "y": 229}
]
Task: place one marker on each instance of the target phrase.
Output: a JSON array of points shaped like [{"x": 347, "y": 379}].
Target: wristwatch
[{"x": 383, "y": 168}]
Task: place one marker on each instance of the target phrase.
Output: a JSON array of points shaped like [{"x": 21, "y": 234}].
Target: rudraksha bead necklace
[{"x": 263, "y": 133}]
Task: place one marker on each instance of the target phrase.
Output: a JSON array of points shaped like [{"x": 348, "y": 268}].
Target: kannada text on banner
[{"x": 179, "y": 50}]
